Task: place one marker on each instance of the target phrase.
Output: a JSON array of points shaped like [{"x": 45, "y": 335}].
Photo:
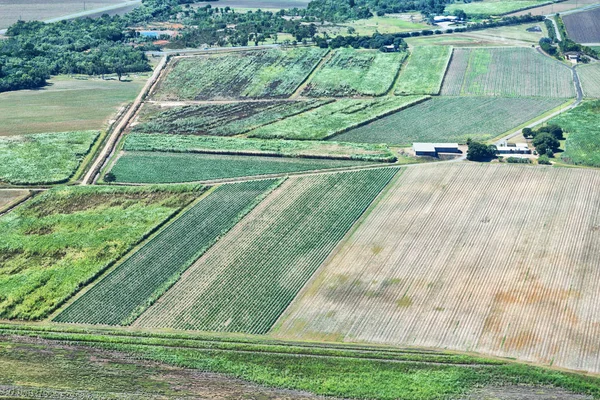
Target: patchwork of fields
[
  {"x": 496, "y": 259},
  {"x": 247, "y": 279},
  {"x": 451, "y": 119},
  {"x": 583, "y": 27},
  {"x": 508, "y": 72}
]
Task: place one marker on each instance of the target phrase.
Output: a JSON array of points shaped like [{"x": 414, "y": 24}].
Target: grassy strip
[
  {"x": 342, "y": 376},
  {"x": 44, "y": 158},
  {"x": 335, "y": 118},
  {"x": 139, "y": 281},
  {"x": 245, "y": 146},
  {"x": 61, "y": 240}
]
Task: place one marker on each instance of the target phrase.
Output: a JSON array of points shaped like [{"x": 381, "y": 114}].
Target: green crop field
[
  {"x": 508, "y": 72},
  {"x": 245, "y": 281},
  {"x": 451, "y": 119},
  {"x": 582, "y": 125},
  {"x": 334, "y": 118},
  {"x": 424, "y": 72},
  {"x": 66, "y": 104},
  {"x": 250, "y": 74},
  {"x": 590, "y": 79},
  {"x": 351, "y": 72},
  {"x": 155, "y": 167},
  {"x": 245, "y": 146},
  {"x": 127, "y": 290},
  {"x": 60, "y": 240},
  {"x": 494, "y": 7},
  {"x": 218, "y": 119},
  {"x": 43, "y": 158}
]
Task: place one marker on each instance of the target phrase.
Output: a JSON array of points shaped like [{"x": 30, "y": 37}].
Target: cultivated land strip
[
  {"x": 248, "y": 278},
  {"x": 495, "y": 259}
]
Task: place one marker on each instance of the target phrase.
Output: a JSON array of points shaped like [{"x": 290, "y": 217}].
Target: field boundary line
[
  {"x": 326, "y": 57},
  {"x": 107, "y": 150},
  {"x": 104, "y": 272},
  {"x": 271, "y": 332},
  {"x": 446, "y": 70},
  {"x": 391, "y": 90},
  {"x": 11, "y": 206}
]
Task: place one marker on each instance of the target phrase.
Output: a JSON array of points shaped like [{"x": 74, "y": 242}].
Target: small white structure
[
  {"x": 445, "y": 18},
  {"x": 432, "y": 149},
  {"x": 513, "y": 148}
]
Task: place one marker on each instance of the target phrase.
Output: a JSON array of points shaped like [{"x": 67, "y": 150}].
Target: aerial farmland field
[
  {"x": 583, "y": 27},
  {"x": 9, "y": 197},
  {"x": 218, "y": 119},
  {"x": 60, "y": 240},
  {"x": 43, "y": 158},
  {"x": 126, "y": 291},
  {"x": 334, "y": 118},
  {"x": 470, "y": 257},
  {"x": 508, "y": 72},
  {"x": 245, "y": 281},
  {"x": 451, "y": 119},
  {"x": 349, "y": 72},
  {"x": 590, "y": 79},
  {"x": 494, "y": 7},
  {"x": 269, "y": 73},
  {"x": 425, "y": 70}
]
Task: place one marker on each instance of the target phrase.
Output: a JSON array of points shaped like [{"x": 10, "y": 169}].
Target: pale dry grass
[{"x": 497, "y": 259}]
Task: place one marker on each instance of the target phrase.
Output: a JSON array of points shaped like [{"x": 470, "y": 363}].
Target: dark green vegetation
[
  {"x": 480, "y": 152},
  {"x": 268, "y": 73},
  {"x": 115, "y": 360},
  {"x": 218, "y": 119},
  {"x": 350, "y": 72},
  {"x": 245, "y": 146},
  {"x": 145, "y": 167},
  {"x": 136, "y": 283},
  {"x": 582, "y": 126},
  {"x": 545, "y": 139},
  {"x": 249, "y": 277},
  {"x": 43, "y": 158},
  {"x": 453, "y": 119},
  {"x": 60, "y": 240}
]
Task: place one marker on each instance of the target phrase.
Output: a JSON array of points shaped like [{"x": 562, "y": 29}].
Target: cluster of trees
[
  {"x": 546, "y": 139},
  {"x": 480, "y": 151},
  {"x": 376, "y": 41},
  {"x": 567, "y": 44},
  {"x": 343, "y": 10}
]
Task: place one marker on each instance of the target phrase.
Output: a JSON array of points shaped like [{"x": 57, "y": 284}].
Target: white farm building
[{"x": 432, "y": 149}]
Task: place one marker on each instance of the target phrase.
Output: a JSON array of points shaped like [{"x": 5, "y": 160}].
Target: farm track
[{"x": 443, "y": 262}]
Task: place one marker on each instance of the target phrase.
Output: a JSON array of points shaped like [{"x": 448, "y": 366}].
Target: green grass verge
[
  {"x": 129, "y": 289},
  {"x": 451, "y": 119},
  {"x": 337, "y": 371},
  {"x": 334, "y": 118},
  {"x": 355, "y": 72},
  {"x": 43, "y": 158},
  {"x": 272, "y": 147},
  {"x": 146, "y": 167},
  {"x": 424, "y": 71},
  {"x": 60, "y": 240},
  {"x": 249, "y": 277}
]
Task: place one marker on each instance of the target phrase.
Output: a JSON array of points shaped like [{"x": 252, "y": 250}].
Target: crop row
[
  {"x": 134, "y": 284},
  {"x": 270, "y": 73},
  {"x": 249, "y": 277},
  {"x": 219, "y": 119},
  {"x": 507, "y": 72},
  {"x": 590, "y": 80},
  {"x": 583, "y": 27}
]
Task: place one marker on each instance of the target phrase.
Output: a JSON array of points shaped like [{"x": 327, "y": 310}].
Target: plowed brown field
[{"x": 497, "y": 259}]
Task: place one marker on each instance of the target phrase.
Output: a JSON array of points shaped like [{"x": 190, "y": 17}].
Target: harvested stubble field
[
  {"x": 590, "y": 79},
  {"x": 495, "y": 259},
  {"x": 58, "y": 241},
  {"x": 582, "y": 126},
  {"x": 495, "y": 7},
  {"x": 350, "y": 72},
  {"x": 508, "y": 72},
  {"x": 583, "y": 27},
  {"x": 129, "y": 289},
  {"x": 334, "y": 118},
  {"x": 159, "y": 167},
  {"x": 424, "y": 72},
  {"x": 270, "y": 147},
  {"x": 245, "y": 281},
  {"x": 43, "y": 158},
  {"x": 271, "y": 73},
  {"x": 218, "y": 119},
  {"x": 11, "y": 197},
  {"x": 451, "y": 119}
]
